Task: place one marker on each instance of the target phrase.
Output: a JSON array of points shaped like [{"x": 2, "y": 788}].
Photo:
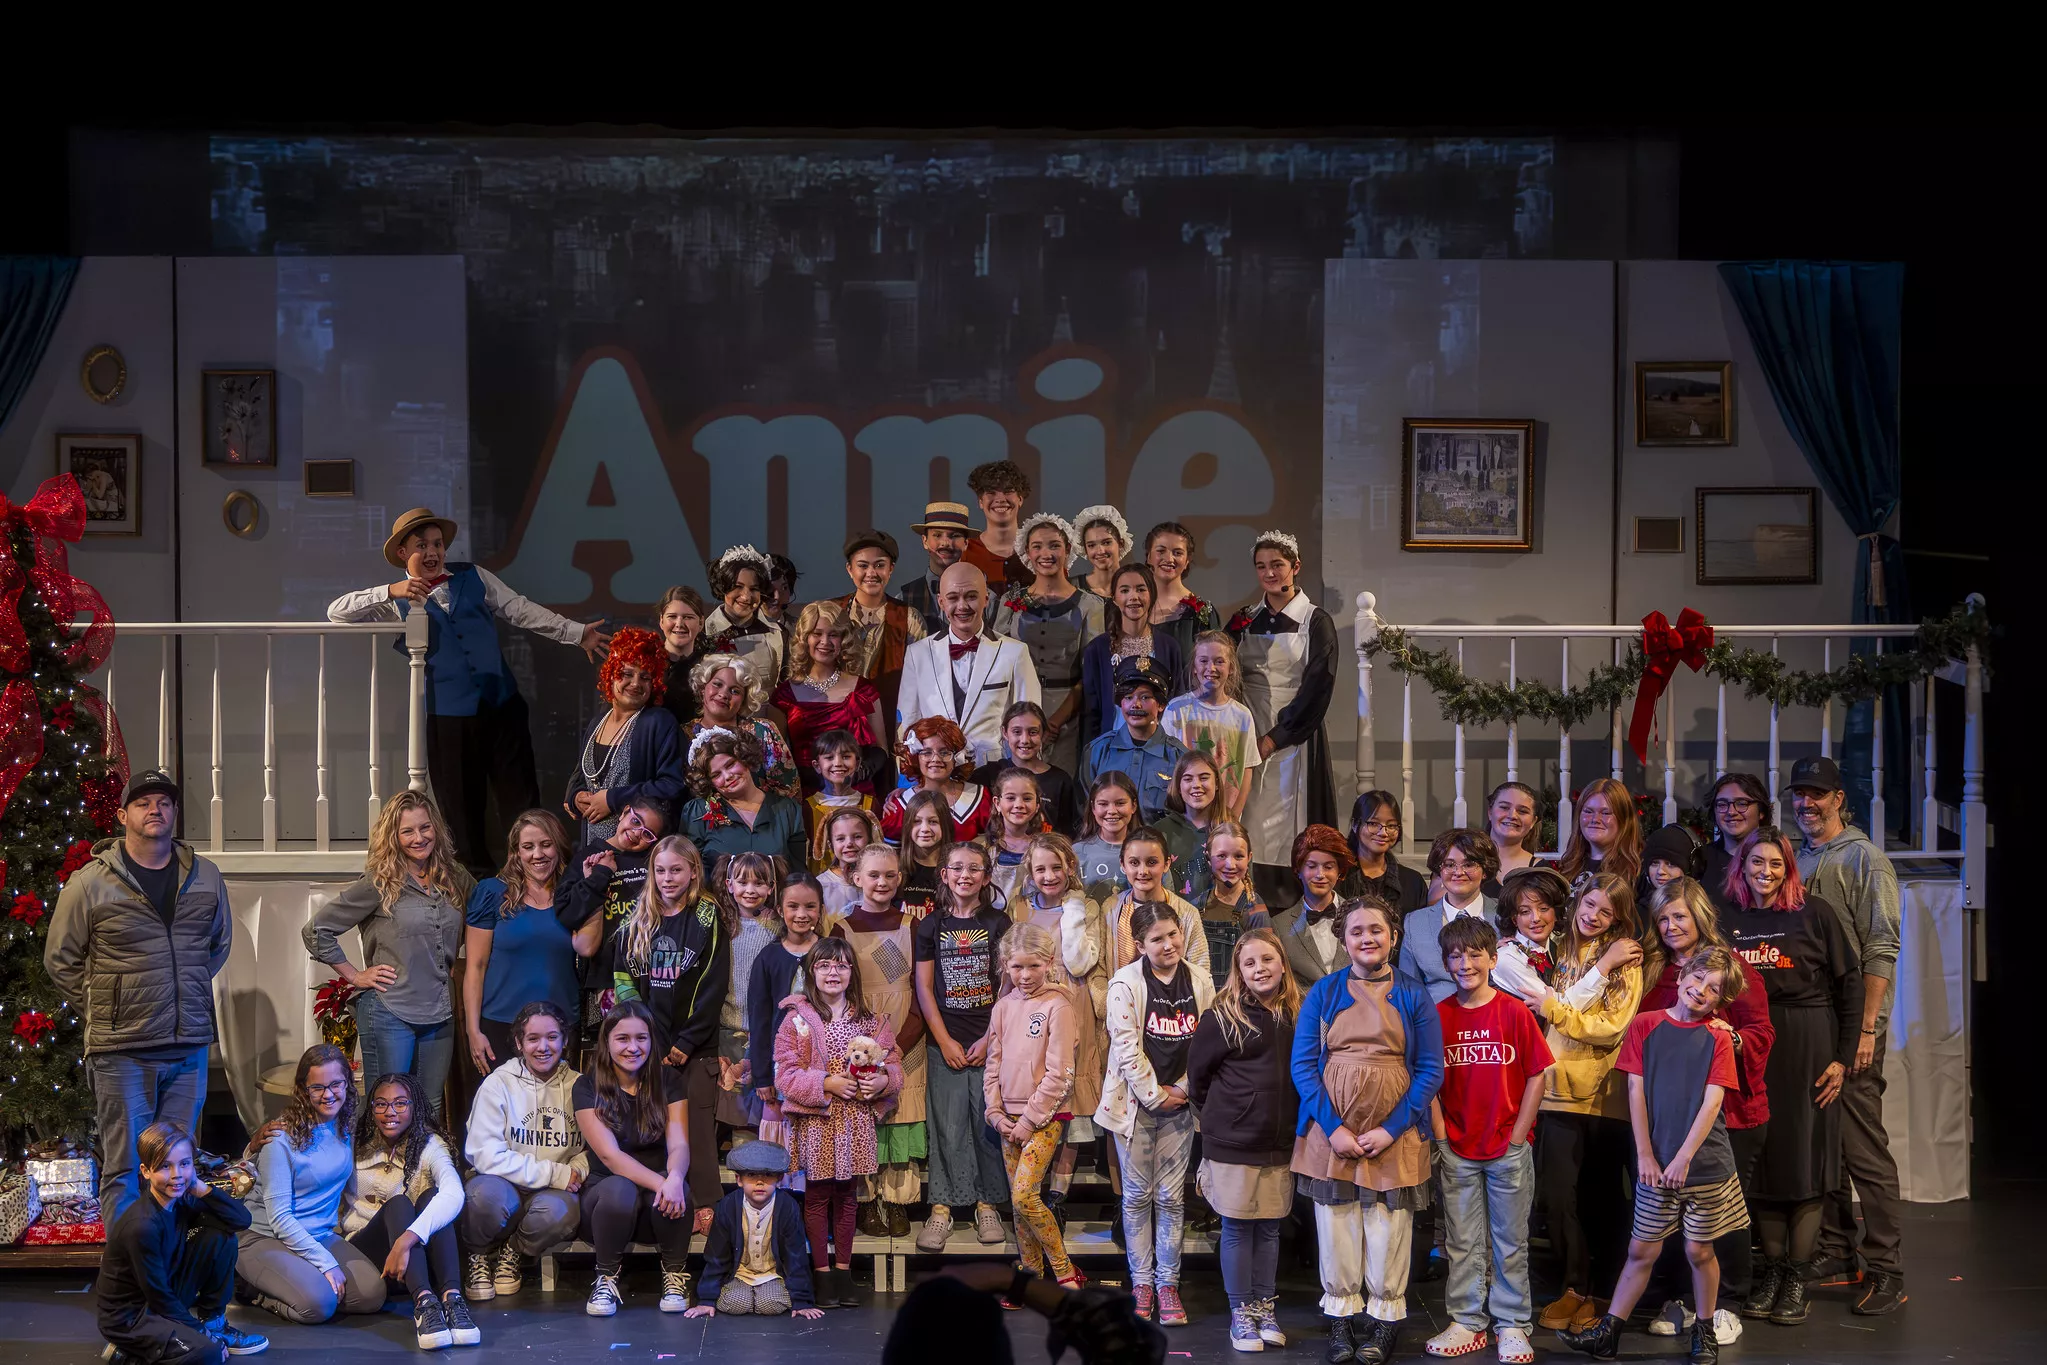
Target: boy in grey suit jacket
[{"x": 1464, "y": 859}]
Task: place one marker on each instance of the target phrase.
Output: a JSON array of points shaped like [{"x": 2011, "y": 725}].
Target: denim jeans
[
  {"x": 1250, "y": 1259},
  {"x": 390, "y": 1044},
  {"x": 1154, "y": 1160},
  {"x": 130, "y": 1094},
  {"x": 1485, "y": 1200}
]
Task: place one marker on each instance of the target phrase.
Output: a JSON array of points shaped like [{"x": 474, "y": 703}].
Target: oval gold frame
[
  {"x": 232, "y": 503},
  {"x": 94, "y": 355}
]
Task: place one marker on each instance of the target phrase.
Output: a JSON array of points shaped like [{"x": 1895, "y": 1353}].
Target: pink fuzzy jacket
[
  {"x": 802, "y": 1061},
  {"x": 1031, "y": 1045}
]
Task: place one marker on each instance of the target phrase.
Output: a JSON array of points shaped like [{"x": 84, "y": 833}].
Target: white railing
[
  {"x": 229, "y": 780},
  {"x": 1968, "y": 822}
]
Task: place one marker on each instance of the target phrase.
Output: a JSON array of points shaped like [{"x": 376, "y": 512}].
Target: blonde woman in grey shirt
[{"x": 408, "y": 906}]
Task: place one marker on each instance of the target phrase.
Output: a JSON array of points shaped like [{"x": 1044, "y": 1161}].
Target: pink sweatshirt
[{"x": 1029, "y": 1070}]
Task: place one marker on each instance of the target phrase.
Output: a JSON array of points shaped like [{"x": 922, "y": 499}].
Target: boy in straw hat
[
  {"x": 945, "y": 532},
  {"x": 476, "y": 719}
]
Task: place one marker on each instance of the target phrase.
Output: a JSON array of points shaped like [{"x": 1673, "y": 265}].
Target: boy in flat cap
[
  {"x": 757, "y": 1258},
  {"x": 476, "y": 728}
]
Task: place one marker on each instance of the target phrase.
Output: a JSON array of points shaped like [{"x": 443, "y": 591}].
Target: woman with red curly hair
[
  {"x": 635, "y": 749},
  {"x": 1312, "y": 931},
  {"x": 934, "y": 753}
]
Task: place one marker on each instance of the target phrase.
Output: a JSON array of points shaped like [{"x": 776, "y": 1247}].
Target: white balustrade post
[
  {"x": 1616, "y": 722},
  {"x": 1776, "y": 751},
  {"x": 1457, "y": 805},
  {"x": 1670, "y": 753},
  {"x": 163, "y": 714},
  {"x": 1720, "y": 733},
  {"x": 1975, "y": 818},
  {"x": 1513, "y": 722},
  {"x": 217, "y": 809},
  {"x": 323, "y": 816},
  {"x": 1367, "y": 634},
  {"x": 269, "y": 746},
  {"x": 1564, "y": 760},
  {"x": 1827, "y": 719},
  {"x": 1929, "y": 804},
  {"x": 415, "y": 713},
  {"x": 376, "y": 742},
  {"x": 1876, "y": 771},
  {"x": 1407, "y": 765}
]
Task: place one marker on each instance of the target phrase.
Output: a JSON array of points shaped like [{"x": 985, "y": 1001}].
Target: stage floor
[{"x": 1977, "y": 1274}]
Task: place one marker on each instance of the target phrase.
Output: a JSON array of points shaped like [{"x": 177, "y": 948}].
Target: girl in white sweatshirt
[
  {"x": 528, "y": 1155},
  {"x": 400, "y": 1206}
]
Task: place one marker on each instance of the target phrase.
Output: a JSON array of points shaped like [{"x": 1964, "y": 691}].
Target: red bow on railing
[{"x": 1664, "y": 647}]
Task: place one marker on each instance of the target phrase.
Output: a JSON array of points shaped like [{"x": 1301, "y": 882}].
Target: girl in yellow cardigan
[{"x": 1583, "y": 1175}]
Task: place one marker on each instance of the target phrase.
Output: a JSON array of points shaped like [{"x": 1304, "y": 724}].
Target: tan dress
[
  {"x": 888, "y": 980},
  {"x": 1364, "y": 1074}
]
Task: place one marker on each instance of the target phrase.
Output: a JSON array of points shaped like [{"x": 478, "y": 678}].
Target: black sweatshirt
[
  {"x": 136, "y": 1270},
  {"x": 685, "y": 979},
  {"x": 1245, "y": 1095}
]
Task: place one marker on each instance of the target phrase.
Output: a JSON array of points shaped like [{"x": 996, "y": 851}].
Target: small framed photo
[
  {"x": 1758, "y": 535},
  {"x": 109, "y": 473},
  {"x": 239, "y": 412},
  {"x": 1467, "y": 484},
  {"x": 1684, "y": 403}
]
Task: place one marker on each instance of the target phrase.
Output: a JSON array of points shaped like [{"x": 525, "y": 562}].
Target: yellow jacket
[{"x": 1585, "y": 1043}]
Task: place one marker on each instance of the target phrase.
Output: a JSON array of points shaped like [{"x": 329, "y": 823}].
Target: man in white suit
[{"x": 968, "y": 675}]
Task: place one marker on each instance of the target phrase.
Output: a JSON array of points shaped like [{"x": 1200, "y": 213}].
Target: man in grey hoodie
[
  {"x": 1839, "y": 864},
  {"x": 138, "y": 935}
]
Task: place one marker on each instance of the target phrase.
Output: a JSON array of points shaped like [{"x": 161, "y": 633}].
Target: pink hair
[{"x": 1791, "y": 897}]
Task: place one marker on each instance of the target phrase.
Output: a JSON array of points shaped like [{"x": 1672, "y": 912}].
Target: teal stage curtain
[{"x": 32, "y": 294}]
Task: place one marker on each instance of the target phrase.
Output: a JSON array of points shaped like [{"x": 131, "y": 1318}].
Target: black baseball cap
[
  {"x": 871, "y": 540},
  {"x": 1818, "y": 772},
  {"x": 1132, "y": 674},
  {"x": 155, "y": 780}
]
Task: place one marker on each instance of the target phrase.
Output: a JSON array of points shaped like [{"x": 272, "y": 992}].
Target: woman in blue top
[
  {"x": 1368, "y": 1058},
  {"x": 635, "y": 750},
  {"x": 731, "y": 813},
  {"x": 511, "y": 958},
  {"x": 293, "y": 1254}
]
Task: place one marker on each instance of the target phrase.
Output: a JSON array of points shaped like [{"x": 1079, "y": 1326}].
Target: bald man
[{"x": 968, "y": 674}]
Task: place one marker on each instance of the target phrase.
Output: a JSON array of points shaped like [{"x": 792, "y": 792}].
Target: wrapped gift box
[
  {"x": 58, "y": 1234},
  {"x": 21, "y": 1203},
  {"x": 67, "y": 1176}
]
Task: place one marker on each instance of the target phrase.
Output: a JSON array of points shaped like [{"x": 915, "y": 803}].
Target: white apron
[{"x": 1277, "y": 809}]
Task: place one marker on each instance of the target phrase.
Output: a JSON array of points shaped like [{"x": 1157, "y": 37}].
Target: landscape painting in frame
[
  {"x": 1758, "y": 535},
  {"x": 1684, "y": 403},
  {"x": 1468, "y": 484}
]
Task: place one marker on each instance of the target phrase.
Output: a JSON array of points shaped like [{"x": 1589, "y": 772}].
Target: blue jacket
[
  {"x": 727, "y": 1243},
  {"x": 1328, "y": 998},
  {"x": 465, "y": 669},
  {"x": 1098, "y": 714},
  {"x": 1150, "y": 765},
  {"x": 655, "y": 768}
]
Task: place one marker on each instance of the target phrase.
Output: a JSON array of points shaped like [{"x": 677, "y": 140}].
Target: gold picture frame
[
  {"x": 103, "y": 374},
  {"x": 1467, "y": 483}
]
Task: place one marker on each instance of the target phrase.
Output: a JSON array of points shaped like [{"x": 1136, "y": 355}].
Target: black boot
[
  {"x": 1705, "y": 1346},
  {"x": 1792, "y": 1307},
  {"x": 1762, "y": 1295},
  {"x": 1377, "y": 1340},
  {"x": 1343, "y": 1346},
  {"x": 870, "y": 1221},
  {"x": 1055, "y": 1204},
  {"x": 898, "y": 1220},
  {"x": 1601, "y": 1341}
]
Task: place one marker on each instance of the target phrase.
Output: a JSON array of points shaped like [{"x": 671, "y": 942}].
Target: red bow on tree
[{"x": 1664, "y": 647}]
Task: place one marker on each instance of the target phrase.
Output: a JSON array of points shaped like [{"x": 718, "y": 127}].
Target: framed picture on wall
[
  {"x": 1467, "y": 484},
  {"x": 1684, "y": 403},
  {"x": 109, "y": 473},
  {"x": 238, "y": 410},
  {"x": 1758, "y": 535}
]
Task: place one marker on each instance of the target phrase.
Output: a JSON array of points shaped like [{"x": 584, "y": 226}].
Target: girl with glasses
[
  {"x": 401, "y": 1206},
  {"x": 1374, "y": 832},
  {"x": 1741, "y": 805}
]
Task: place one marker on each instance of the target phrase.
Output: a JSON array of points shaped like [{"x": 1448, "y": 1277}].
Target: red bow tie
[{"x": 961, "y": 650}]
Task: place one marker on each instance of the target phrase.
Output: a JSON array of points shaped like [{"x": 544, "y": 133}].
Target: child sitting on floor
[{"x": 757, "y": 1260}]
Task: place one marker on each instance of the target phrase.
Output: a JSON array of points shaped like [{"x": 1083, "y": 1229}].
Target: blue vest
[{"x": 465, "y": 670}]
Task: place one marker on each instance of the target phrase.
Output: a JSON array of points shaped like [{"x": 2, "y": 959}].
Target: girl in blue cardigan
[{"x": 1368, "y": 1058}]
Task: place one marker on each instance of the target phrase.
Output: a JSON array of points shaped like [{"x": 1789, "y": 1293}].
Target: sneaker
[
  {"x": 429, "y": 1325},
  {"x": 1705, "y": 1347},
  {"x": 1146, "y": 1303},
  {"x": 461, "y": 1327},
  {"x": 506, "y": 1276},
  {"x": 1882, "y": 1292},
  {"x": 477, "y": 1280},
  {"x": 1515, "y": 1348},
  {"x": 1455, "y": 1340},
  {"x": 1828, "y": 1269},
  {"x": 1601, "y": 1341},
  {"x": 1171, "y": 1312},
  {"x": 233, "y": 1340},
  {"x": 1244, "y": 1330},
  {"x": 1727, "y": 1327},
  {"x": 603, "y": 1300},
  {"x": 1559, "y": 1315},
  {"x": 1674, "y": 1320},
  {"x": 936, "y": 1229},
  {"x": 674, "y": 1290},
  {"x": 1762, "y": 1295},
  {"x": 1266, "y": 1311},
  {"x": 988, "y": 1226}
]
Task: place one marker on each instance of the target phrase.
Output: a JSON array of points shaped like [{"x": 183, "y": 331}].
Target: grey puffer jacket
[{"x": 143, "y": 984}]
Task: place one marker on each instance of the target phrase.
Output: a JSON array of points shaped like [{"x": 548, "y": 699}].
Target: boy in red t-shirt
[
  {"x": 1493, "y": 1061},
  {"x": 1679, "y": 1063}
]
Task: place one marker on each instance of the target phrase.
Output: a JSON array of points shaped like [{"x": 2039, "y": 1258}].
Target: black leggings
[
  {"x": 1586, "y": 1168},
  {"x": 617, "y": 1213},
  {"x": 434, "y": 1265}
]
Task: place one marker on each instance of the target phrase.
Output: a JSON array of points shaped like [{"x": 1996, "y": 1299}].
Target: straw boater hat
[
  {"x": 407, "y": 523},
  {"x": 948, "y": 516}
]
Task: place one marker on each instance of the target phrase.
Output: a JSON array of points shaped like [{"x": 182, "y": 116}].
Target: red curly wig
[
  {"x": 1324, "y": 839},
  {"x": 935, "y": 730},
  {"x": 642, "y": 649}
]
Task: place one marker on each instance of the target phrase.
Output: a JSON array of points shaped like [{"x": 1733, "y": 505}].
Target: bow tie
[
  {"x": 1317, "y": 916},
  {"x": 960, "y": 649}
]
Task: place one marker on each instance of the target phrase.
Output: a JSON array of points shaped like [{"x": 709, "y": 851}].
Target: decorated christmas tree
[{"x": 60, "y": 781}]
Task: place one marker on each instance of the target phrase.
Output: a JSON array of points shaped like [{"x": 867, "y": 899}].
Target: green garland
[{"x": 1758, "y": 673}]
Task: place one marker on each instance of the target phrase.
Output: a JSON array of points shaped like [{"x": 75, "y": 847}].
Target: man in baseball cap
[
  {"x": 476, "y": 732},
  {"x": 1137, "y": 747},
  {"x": 945, "y": 531},
  {"x": 883, "y": 626}
]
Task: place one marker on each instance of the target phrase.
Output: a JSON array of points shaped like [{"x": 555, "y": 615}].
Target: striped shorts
[{"x": 1707, "y": 1211}]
